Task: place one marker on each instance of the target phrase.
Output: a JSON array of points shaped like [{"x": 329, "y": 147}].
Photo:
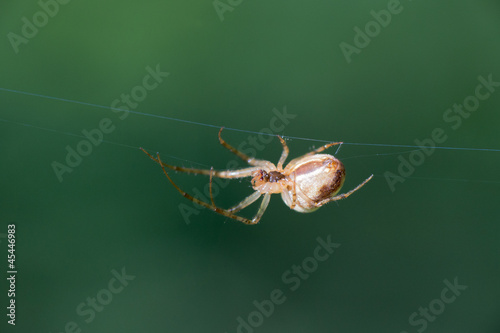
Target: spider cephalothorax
[
  {"x": 269, "y": 182},
  {"x": 306, "y": 183}
]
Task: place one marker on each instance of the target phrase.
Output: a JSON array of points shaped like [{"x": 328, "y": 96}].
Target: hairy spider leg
[
  {"x": 313, "y": 152},
  {"x": 210, "y": 186},
  {"x": 246, "y": 202},
  {"x": 294, "y": 193},
  {"x": 262, "y": 208},
  {"x": 344, "y": 195},
  {"x": 240, "y": 173},
  {"x": 304, "y": 197},
  {"x": 255, "y": 220},
  {"x": 320, "y": 149},
  {"x": 284, "y": 154},
  {"x": 244, "y": 157}
]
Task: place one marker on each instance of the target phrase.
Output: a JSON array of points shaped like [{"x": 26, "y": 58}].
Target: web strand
[
  {"x": 104, "y": 141},
  {"x": 207, "y": 166},
  {"x": 229, "y": 128}
]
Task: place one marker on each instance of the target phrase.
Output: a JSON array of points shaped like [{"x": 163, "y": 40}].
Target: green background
[{"x": 116, "y": 209}]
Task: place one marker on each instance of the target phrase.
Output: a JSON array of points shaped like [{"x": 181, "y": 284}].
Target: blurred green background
[{"x": 116, "y": 210}]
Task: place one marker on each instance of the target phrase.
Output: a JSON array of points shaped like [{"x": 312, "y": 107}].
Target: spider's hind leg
[{"x": 345, "y": 195}]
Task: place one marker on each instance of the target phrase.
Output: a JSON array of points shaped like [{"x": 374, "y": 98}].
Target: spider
[{"x": 306, "y": 183}]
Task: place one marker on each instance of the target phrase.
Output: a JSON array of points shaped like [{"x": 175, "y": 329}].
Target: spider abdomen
[{"x": 317, "y": 179}]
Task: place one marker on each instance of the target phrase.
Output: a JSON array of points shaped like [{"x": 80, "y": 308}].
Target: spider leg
[
  {"x": 320, "y": 149},
  {"x": 246, "y": 202},
  {"x": 315, "y": 151},
  {"x": 262, "y": 208},
  {"x": 210, "y": 186},
  {"x": 286, "y": 194},
  {"x": 241, "y": 173},
  {"x": 284, "y": 154},
  {"x": 213, "y": 207},
  {"x": 344, "y": 195},
  {"x": 244, "y": 157},
  {"x": 294, "y": 192},
  {"x": 290, "y": 196},
  {"x": 304, "y": 197}
]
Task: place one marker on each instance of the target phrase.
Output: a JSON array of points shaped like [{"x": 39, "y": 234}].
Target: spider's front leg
[
  {"x": 244, "y": 157},
  {"x": 284, "y": 154},
  {"x": 241, "y": 173},
  {"x": 207, "y": 205},
  {"x": 216, "y": 209}
]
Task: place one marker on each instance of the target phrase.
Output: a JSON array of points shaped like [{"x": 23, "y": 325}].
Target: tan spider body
[
  {"x": 306, "y": 183},
  {"x": 318, "y": 179}
]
